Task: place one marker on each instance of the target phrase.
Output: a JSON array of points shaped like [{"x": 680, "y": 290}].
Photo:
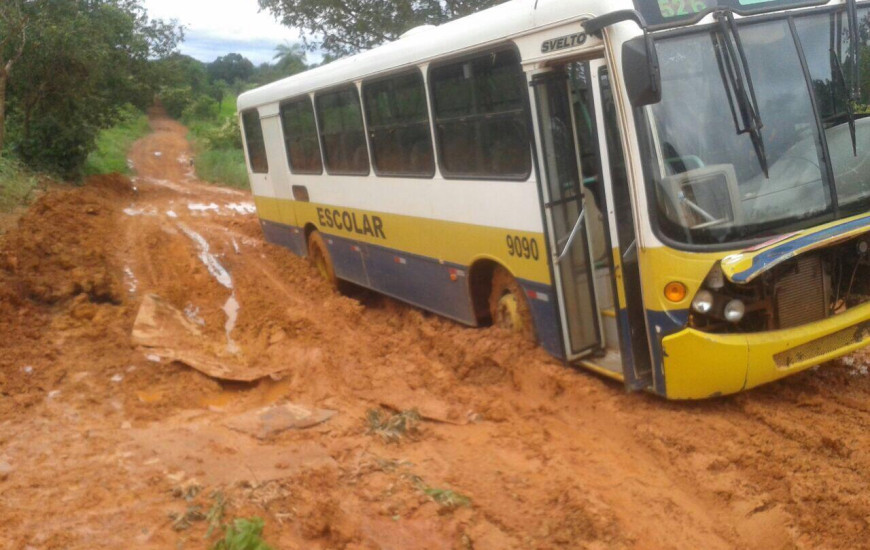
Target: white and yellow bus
[{"x": 673, "y": 193}]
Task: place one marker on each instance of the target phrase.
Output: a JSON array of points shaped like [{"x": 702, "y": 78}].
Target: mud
[{"x": 106, "y": 444}]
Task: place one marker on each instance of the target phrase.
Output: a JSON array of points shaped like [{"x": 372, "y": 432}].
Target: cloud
[{"x": 229, "y": 26}]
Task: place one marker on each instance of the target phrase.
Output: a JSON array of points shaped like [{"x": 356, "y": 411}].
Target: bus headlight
[
  {"x": 734, "y": 311},
  {"x": 703, "y": 301}
]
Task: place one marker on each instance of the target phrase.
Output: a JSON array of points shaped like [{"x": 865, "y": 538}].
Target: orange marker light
[{"x": 675, "y": 291}]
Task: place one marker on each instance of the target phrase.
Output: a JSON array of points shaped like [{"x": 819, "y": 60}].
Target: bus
[{"x": 672, "y": 193}]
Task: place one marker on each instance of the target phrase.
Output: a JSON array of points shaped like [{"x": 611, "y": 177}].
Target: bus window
[
  {"x": 300, "y": 137},
  {"x": 255, "y": 142},
  {"x": 480, "y": 117},
  {"x": 398, "y": 124},
  {"x": 341, "y": 132}
]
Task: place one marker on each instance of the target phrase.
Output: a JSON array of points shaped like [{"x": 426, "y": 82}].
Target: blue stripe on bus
[
  {"x": 419, "y": 280},
  {"x": 761, "y": 261},
  {"x": 661, "y": 324}
]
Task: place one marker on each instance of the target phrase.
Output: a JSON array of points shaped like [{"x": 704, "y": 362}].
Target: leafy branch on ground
[
  {"x": 446, "y": 498},
  {"x": 243, "y": 534},
  {"x": 393, "y": 427}
]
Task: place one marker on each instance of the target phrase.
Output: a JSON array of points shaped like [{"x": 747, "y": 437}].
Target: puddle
[
  {"x": 149, "y": 396},
  {"x": 130, "y": 279},
  {"x": 130, "y": 211},
  {"x": 199, "y": 207},
  {"x": 246, "y": 208},
  {"x": 192, "y": 313},
  {"x": 171, "y": 214},
  {"x": 214, "y": 266},
  {"x": 231, "y": 308}
]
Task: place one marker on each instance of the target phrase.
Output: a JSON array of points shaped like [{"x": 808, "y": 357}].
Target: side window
[
  {"x": 481, "y": 118},
  {"x": 300, "y": 137},
  {"x": 341, "y": 132},
  {"x": 254, "y": 139},
  {"x": 398, "y": 124}
]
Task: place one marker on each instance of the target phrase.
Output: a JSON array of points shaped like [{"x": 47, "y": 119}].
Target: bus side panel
[
  {"x": 542, "y": 302},
  {"x": 347, "y": 259},
  {"x": 422, "y": 281},
  {"x": 287, "y": 236}
]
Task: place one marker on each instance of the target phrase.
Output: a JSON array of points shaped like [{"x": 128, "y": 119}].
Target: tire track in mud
[{"x": 549, "y": 457}]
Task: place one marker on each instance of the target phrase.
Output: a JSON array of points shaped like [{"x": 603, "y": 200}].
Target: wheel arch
[{"x": 480, "y": 286}]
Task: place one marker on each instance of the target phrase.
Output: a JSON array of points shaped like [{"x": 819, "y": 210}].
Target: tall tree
[
  {"x": 230, "y": 68},
  {"x": 13, "y": 30},
  {"x": 340, "y": 27},
  {"x": 290, "y": 58}
]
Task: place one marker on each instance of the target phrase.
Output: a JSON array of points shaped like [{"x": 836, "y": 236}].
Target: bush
[
  {"x": 176, "y": 100},
  {"x": 16, "y": 184},
  {"x": 224, "y": 166},
  {"x": 203, "y": 108}
]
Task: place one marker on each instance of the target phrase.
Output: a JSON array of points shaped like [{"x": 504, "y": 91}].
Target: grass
[
  {"x": 114, "y": 143},
  {"x": 243, "y": 534},
  {"x": 16, "y": 184},
  {"x": 392, "y": 427},
  {"x": 219, "y": 157},
  {"x": 225, "y": 166}
]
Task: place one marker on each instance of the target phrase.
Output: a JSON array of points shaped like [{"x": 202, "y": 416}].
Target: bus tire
[
  {"x": 509, "y": 306},
  {"x": 319, "y": 257}
]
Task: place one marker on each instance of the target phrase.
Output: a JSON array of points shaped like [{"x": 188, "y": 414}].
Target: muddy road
[{"x": 105, "y": 443}]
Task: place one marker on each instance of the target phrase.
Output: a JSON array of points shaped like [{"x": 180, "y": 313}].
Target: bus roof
[{"x": 489, "y": 26}]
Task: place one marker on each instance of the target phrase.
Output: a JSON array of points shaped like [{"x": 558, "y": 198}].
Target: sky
[{"x": 218, "y": 27}]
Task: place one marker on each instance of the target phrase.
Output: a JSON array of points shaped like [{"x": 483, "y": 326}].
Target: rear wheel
[
  {"x": 319, "y": 257},
  {"x": 508, "y": 305}
]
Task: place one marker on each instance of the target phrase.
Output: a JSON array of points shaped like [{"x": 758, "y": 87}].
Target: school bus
[{"x": 672, "y": 193}]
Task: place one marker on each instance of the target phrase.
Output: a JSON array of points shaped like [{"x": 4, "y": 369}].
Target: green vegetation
[
  {"x": 114, "y": 143},
  {"x": 217, "y": 142},
  {"x": 243, "y": 534},
  {"x": 342, "y": 28},
  {"x": 68, "y": 69},
  {"x": 392, "y": 427},
  {"x": 447, "y": 498},
  {"x": 16, "y": 184}
]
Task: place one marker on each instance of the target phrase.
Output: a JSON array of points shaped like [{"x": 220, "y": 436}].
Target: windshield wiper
[
  {"x": 850, "y": 114},
  {"x": 734, "y": 67},
  {"x": 854, "y": 50}
]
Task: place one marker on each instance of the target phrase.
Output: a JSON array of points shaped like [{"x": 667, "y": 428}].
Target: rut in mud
[{"x": 104, "y": 444}]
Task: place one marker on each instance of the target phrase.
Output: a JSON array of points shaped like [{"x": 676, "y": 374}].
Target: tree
[
  {"x": 13, "y": 29},
  {"x": 230, "y": 68},
  {"x": 341, "y": 28},
  {"x": 290, "y": 58},
  {"x": 82, "y": 62}
]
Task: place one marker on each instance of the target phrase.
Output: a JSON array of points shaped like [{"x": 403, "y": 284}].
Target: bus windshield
[{"x": 719, "y": 178}]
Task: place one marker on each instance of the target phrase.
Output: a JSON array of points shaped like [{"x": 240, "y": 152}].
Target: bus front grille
[{"x": 801, "y": 294}]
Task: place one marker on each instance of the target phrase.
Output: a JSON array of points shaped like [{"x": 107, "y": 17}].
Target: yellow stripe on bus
[{"x": 521, "y": 252}]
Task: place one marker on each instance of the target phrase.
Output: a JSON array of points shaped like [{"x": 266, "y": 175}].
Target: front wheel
[
  {"x": 319, "y": 257},
  {"x": 508, "y": 305}
]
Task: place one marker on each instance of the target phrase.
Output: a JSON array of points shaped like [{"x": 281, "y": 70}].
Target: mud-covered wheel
[
  {"x": 318, "y": 254},
  {"x": 508, "y": 305}
]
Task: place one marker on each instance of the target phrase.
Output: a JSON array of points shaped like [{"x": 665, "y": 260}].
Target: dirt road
[{"x": 104, "y": 444}]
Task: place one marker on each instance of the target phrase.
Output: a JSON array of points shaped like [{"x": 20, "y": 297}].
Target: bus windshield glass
[
  {"x": 712, "y": 182},
  {"x": 670, "y": 12}
]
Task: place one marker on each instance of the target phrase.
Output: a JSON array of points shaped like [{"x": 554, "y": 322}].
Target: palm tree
[{"x": 290, "y": 58}]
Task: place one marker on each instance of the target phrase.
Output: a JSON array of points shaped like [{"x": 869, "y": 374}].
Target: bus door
[{"x": 566, "y": 214}]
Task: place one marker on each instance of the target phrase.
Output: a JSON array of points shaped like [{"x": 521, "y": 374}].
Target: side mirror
[{"x": 640, "y": 69}]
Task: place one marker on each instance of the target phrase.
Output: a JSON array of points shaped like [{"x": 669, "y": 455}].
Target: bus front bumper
[{"x": 698, "y": 365}]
